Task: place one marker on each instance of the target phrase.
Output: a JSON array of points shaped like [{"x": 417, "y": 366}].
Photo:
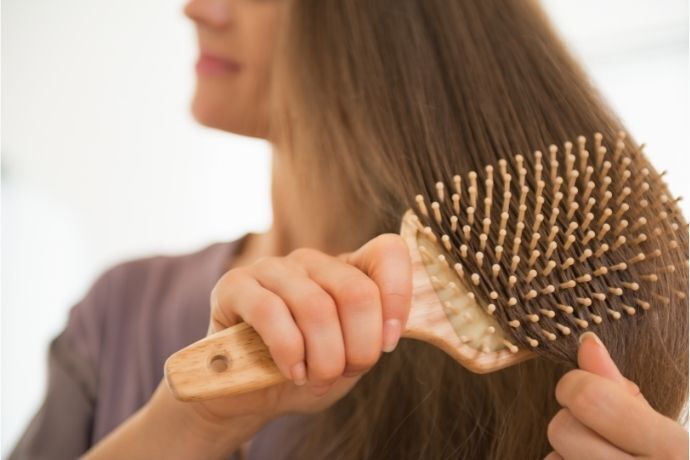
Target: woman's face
[{"x": 236, "y": 43}]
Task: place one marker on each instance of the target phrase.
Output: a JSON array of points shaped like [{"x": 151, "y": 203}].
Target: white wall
[{"x": 102, "y": 162}]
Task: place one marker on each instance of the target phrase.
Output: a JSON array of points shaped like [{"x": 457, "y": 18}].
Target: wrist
[{"x": 198, "y": 432}]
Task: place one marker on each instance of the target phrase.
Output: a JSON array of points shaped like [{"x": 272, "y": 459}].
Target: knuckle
[
  {"x": 224, "y": 285},
  {"x": 227, "y": 279},
  {"x": 558, "y": 426},
  {"x": 386, "y": 245},
  {"x": 276, "y": 265},
  {"x": 263, "y": 309},
  {"x": 569, "y": 379},
  {"x": 287, "y": 347},
  {"x": 268, "y": 264},
  {"x": 389, "y": 242},
  {"x": 363, "y": 361},
  {"x": 318, "y": 307},
  {"x": 234, "y": 275},
  {"x": 213, "y": 300},
  {"x": 328, "y": 370},
  {"x": 587, "y": 396},
  {"x": 360, "y": 293},
  {"x": 633, "y": 388},
  {"x": 303, "y": 254}
]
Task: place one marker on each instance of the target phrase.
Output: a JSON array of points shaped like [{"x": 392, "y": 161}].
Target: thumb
[
  {"x": 593, "y": 357},
  {"x": 386, "y": 260}
]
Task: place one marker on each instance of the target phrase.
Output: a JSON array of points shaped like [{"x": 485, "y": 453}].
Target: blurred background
[{"x": 102, "y": 162}]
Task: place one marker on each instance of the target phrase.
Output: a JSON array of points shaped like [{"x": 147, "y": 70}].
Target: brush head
[{"x": 549, "y": 246}]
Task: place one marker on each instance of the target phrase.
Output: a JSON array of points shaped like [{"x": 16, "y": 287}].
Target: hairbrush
[{"x": 505, "y": 261}]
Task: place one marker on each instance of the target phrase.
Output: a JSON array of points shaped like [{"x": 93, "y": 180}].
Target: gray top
[{"x": 108, "y": 360}]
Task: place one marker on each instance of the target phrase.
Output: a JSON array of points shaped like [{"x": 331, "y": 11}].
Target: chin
[
  {"x": 213, "y": 113},
  {"x": 206, "y": 113}
]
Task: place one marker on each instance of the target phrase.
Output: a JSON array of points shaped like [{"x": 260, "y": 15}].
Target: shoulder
[
  {"x": 160, "y": 267},
  {"x": 135, "y": 315},
  {"x": 165, "y": 275},
  {"x": 135, "y": 294}
]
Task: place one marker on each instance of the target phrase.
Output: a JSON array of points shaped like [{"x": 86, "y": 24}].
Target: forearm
[{"x": 167, "y": 428}]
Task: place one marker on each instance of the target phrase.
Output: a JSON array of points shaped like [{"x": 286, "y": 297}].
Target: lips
[{"x": 209, "y": 64}]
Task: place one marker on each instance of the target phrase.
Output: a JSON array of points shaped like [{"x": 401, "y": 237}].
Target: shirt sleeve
[
  {"x": 61, "y": 429},
  {"x": 62, "y": 426}
]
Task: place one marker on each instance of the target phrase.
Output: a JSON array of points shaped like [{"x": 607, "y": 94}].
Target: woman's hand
[
  {"x": 605, "y": 416},
  {"x": 324, "y": 319}
]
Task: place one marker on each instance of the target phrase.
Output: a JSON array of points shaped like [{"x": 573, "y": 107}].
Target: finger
[
  {"x": 621, "y": 418},
  {"x": 222, "y": 315},
  {"x": 593, "y": 357},
  {"x": 386, "y": 260},
  {"x": 315, "y": 314},
  {"x": 572, "y": 440},
  {"x": 271, "y": 319},
  {"x": 358, "y": 303}
]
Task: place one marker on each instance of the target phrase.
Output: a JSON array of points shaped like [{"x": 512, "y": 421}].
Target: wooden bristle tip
[{"x": 579, "y": 235}]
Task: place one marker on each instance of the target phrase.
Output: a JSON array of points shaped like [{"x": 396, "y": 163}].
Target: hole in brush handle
[
  {"x": 227, "y": 363},
  {"x": 219, "y": 363}
]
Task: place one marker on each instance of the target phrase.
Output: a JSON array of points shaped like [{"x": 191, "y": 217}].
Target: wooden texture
[
  {"x": 232, "y": 361},
  {"x": 236, "y": 360},
  {"x": 428, "y": 321}
]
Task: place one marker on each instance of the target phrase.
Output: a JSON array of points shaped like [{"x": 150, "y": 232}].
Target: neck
[
  {"x": 306, "y": 214},
  {"x": 310, "y": 211}
]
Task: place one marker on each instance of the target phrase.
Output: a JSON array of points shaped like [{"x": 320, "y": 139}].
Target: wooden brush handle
[
  {"x": 236, "y": 360},
  {"x": 229, "y": 362}
]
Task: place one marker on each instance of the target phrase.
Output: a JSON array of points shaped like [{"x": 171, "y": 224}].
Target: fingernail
[
  {"x": 589, "y": 335},
  {"x": 391, "y": 334},
  {"x": 606, "y": 367},
  {"x": 299, "y": 373}
]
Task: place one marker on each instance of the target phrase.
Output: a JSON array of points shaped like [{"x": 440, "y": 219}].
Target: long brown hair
[{"x": 383, "y": 98}]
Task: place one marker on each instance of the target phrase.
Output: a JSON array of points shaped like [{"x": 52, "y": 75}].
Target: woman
[{"x": 364, "y": 102}]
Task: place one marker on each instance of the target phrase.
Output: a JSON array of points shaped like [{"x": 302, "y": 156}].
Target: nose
[{"x": 214, "y": 13}]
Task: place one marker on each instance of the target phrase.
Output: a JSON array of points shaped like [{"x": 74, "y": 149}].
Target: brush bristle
[{"x": 552, "y": 245}]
